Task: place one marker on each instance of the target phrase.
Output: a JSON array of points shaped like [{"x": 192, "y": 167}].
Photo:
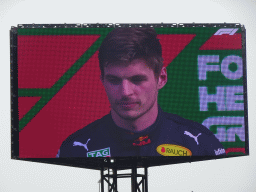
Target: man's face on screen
[{"x": 132, "y": 90}]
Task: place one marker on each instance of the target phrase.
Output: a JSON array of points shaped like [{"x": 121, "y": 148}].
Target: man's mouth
[{"x": 127, "y": 105}]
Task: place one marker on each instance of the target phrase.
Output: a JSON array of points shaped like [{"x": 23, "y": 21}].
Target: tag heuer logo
[{"x": 99, "y": 153}]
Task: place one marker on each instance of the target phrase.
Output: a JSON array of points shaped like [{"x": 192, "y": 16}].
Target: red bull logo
[{"x": 143, "y": 140}]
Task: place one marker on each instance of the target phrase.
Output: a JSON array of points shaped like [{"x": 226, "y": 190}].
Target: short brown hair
[{"x": 123, "y": 45}]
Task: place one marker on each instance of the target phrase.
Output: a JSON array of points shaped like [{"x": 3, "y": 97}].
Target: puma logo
[
  {"x": 76, "y": 143},
  {"x": 194, "y": 137}
]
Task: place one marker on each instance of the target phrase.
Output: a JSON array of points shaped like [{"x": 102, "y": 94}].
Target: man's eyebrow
[{"x": 139, "y": 76}]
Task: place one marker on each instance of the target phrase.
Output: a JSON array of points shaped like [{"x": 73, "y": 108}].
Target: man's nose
[{"x": 126, "y": 88}]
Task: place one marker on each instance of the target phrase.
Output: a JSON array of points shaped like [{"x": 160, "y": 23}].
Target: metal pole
[
  {"x": 143, "y": 183},
  {"x": 102, "y": 179},
  {"x": 108, "y": 180},
  {"x": 146, "y": 178},
  {"x": 134, "y": 178},
  {"x": 115, "y": 179}
]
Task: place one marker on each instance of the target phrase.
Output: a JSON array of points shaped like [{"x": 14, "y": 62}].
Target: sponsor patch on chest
[
  {"x": 173, "y": 150},
  {"x": 143, "y": 140},
  {"x": 220, "y": 151},
  {"x": 99, "y": 153}
]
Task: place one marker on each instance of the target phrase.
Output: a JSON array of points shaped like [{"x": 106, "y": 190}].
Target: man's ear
[{"x": 162, "y": 79}]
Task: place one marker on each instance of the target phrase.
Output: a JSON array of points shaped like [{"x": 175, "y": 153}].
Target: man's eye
[{"x": 138, "y": 80}]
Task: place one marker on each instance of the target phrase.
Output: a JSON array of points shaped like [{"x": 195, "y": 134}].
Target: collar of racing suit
[{"x": 140, "y": 138}]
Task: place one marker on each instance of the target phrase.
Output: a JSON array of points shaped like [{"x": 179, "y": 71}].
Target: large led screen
[{"x": 163, "y": 90}]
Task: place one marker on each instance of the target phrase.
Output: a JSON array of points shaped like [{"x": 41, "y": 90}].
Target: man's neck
[{"x": 138, "y": 124}]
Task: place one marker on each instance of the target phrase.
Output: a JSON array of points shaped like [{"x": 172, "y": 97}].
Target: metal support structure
[
  {"x": 115, "y": 179},
  {"x": 111, "y": 179},
  {"x": 102, "y": 179},
  {"x": 134, "y": 178},
  {"x": 146, "y": 179}
]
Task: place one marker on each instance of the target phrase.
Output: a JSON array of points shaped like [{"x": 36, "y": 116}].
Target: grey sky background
[{"x": 225, "y": 175}]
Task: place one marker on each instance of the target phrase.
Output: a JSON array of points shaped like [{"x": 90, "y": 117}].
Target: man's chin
[{"x": 129, "y": 115}]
